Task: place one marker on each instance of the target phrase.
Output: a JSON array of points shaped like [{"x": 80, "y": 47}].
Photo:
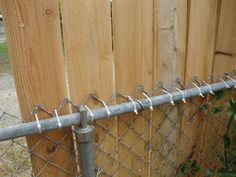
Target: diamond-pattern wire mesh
[
  {"x": 157, "y": 141},
  {"x": 168, "y": 138},
  {"x": 152, "y": 143},
  {"x": 16, "y": 154}
]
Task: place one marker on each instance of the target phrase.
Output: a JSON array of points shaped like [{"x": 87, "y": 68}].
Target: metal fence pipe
[
  {"x": 84, "y": 134},
  {"x": 30, "y": 128}
]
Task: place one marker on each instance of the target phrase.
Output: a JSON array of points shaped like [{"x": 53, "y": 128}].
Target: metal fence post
[{"x": 84, "y": 134}]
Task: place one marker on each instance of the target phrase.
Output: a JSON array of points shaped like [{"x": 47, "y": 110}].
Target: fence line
[
  {"x": 107, "y": 47},
  {"x": 31, "y": 128}
]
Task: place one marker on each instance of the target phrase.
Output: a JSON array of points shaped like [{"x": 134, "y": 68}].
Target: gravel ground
[
  {"x": 8, "y": 98},
  {"x": 14, "y": 158},
  {"x": 2, "y": 38}
]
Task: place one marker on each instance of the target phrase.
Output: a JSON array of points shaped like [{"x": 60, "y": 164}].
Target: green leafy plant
[{"x": 228, "y": 154}]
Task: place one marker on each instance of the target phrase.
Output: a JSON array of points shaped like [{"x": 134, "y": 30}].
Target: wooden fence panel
[
  {"x": 224, "y": 61},
  {"x": 169, "y": 63},
  {"x": 227, "y": 29},
  {"x": 201, "y": 38},
  {"x": 88, "y": 50},
  {"x": 225, "y": 52},
  {"x": 133, "y": 49},
  {"x": 154, "y": 40},
  {"x": 200, "y": 53},
  {"x": 35, "y": 48}
]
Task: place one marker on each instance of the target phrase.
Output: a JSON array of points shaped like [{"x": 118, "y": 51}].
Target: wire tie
[
  {"x": 38, "y": 123},
  {"x": 226, "y": 85},
  {"x": 58, "y": 119},
  {"x": 135, "y": 108},
  {"x": 90, "y": 112},
  {"x": 183, "y": 98},
  {"x": 209, "y": 87},
  {"x": 200, "y": 91},
  {"x": 107, "y": 109},
  {"x": 150, "y": 101},
  {"x": 171, "y": 97},
  {"x": 232, "y": 80}
]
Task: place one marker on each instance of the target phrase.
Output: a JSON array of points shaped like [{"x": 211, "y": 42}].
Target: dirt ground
[
  {"x": 8, "y": 98},
  {"x": 14, "y": 159}
]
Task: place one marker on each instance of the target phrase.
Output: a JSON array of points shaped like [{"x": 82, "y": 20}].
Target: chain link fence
[{"x": 151, "y": 143}]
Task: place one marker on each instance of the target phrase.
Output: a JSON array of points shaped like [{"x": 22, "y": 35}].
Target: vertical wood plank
[
  {"x": 88, "y": 49},
  {"x": 171, "y": 32},
  {"x": 224, "y": 61},
  {"x": 226, "y": 39},
  {"x": 200, "y": 54},
  {"x": 170, "y": 54},
  {"x": 225, "y": 52},
  {"x": 34, "y": 39},
  {"x": 201, "y": 39},
  {"x": 133, "y": 49},
  {"x": 223, "y": 64}
]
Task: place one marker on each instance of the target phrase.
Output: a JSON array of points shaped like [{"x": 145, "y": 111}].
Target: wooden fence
[{"x": 102, "y": 48}]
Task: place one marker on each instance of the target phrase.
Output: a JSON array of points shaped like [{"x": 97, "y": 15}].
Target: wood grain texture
[
  {"x": 171, "y": 23},
  {"x": 34, "y": 39},
  {"x": 226, "y": 38},
  {"x": 223, "y": 64},
  {"x": 170, "y": 54},
  {"x": 201, "y": 39},
  {"x": 154, "y": 40},
  {"x": 199, "y": 62},
  {"x": 133, "y": 49},
  {"x": 225, "y": 51},
  {"x": 224, "y": 61},
  {"x": 88, "y": 50}
]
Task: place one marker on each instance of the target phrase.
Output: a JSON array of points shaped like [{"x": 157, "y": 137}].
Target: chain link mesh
[
  {"x": 152, "y": 143},
  {"x": 17, "y": 157},
  {"x": 159, "y": 142}
]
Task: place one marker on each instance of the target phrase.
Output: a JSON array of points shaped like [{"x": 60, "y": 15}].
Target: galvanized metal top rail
[{"x": 30, "y": 128}]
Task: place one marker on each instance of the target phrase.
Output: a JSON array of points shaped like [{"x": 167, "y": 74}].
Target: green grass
[
  {"x": 3, "y": 52},
  {"x": 4, "y": 61}
]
